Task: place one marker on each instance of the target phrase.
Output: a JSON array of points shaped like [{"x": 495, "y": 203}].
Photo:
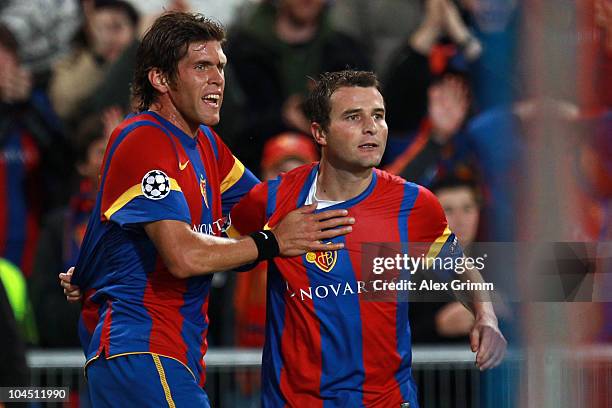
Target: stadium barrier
[{"x": 446, "y": 377}]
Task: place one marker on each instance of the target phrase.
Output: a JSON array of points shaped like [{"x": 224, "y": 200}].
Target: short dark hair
[
  {"x": 164, "y": 45},
  {"x": 317, "y": 106},
  {"x": 121, "y": 6},
  {"x": 451, "y": 182},
  {"x": 88, "y": 131}
]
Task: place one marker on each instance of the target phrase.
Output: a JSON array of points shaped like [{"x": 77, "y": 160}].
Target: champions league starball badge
[{"x": 155, "y": 185}]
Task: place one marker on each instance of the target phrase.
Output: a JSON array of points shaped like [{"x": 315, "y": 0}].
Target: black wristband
[{"x": 267, "y": 245}]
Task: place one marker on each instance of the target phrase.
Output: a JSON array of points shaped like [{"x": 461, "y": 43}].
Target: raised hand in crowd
[{"x": 459, "y": 32}]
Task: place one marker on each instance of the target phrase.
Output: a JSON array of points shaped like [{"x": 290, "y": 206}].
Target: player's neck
[
  {"x": 169, "y": 112},
  {"x": 336, "y": 184}
]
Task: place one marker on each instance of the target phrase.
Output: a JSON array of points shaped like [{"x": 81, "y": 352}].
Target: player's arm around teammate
[{"x": 187, "y": 253}]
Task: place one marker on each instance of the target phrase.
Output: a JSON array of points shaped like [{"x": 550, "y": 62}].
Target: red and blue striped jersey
[
  {"x": 326, "y": 344},
  {"x": 153, "y": 171}
]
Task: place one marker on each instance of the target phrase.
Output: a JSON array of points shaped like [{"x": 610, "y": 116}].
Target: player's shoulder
[
  {"x": 137, "y": 120},
  {"x": 386, "y": 178},
  {"x": 141, "y": 131},
  {"x": 392, "y": 182},
  {"x": 297, "y": 175}
]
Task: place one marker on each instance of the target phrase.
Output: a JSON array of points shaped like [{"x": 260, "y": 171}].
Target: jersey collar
[
  {"x": 185, "y": 139},
  {"x": 345, "y": 204}
]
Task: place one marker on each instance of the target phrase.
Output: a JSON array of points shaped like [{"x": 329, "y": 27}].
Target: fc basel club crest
[
  {"x": 203, "y": 190},
  {"x": 324, "y": 260}
]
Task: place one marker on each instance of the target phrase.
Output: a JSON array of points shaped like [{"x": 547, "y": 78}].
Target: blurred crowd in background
[{"x": 463, "y": 108}]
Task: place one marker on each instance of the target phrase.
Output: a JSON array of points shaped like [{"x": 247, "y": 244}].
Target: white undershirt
[{"x": 312, "y": 196}]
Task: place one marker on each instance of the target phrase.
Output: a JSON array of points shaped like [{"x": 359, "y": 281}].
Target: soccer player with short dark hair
[
  {"x": 153, "y": 239},
  {"x": 326, "y": 343}
]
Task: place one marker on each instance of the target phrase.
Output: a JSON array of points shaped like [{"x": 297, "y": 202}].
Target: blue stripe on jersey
[
  {"x": 341, "y": 332},
  {"x": 275, "y": 323},
  {"x": 404, "y": 375},
  {"x": 16, "y": 206},
  {"x": 198, "y": 289},
  {"x": 271, "y": 202},
  {"x": 140, "y": 209},
  {"x": 306, "y": 189},
  {"x": 190, "y": 148},
  {"x": 211, "y": 138},
  {"x": 119, "y": 247}
]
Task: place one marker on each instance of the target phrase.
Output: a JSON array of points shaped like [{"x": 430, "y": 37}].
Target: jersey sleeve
[
  {"x": 249, "y": 215},
  {"x": 428, "y": 228},
  {"x": 236, "y": 180},
  {"x": 139, "y": 182}
]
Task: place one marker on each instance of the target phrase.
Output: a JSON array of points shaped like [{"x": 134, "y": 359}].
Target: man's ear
[
  {"x": 318, "y": 133},
  {"x": 158, "y": 80}
]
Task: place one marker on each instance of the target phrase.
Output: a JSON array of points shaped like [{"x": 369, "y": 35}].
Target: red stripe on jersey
[
  {"x": 204, "y": 346},
  {"x": 163, "y": 305},
  {"x": 249, "y": 215},
  {"x": 300, "y": 381},
  {"x": 30, "y": 150},
  {"x": 378, "y": 319},
  {"x": 106, "y": 328},
  {"x": 89, "y": 312},
  {"x": 427, "y": 220}
]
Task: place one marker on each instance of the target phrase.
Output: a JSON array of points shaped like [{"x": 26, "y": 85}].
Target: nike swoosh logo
[
  {"x": 183, "y": 165},
  {"x": 264, "y": 234}
]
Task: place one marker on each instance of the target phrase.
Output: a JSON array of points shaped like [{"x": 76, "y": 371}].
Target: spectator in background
[
  {"x": 381, "y": 26},
  {"x": 285, "y": 152},
  {"x": 61, "y": 238},
  {"x": 495, "y": 25},
  {"x": 423, "y": 59},
  {"x": 439, "y": 322},
  {"x": 41, "y": 29},
  {"x": 110, "y": 27},
  {"x": 114, "y": 89},
  {"x": 32, "y": 156},
  {"x": 281, "y": 154},
  {"x": 272, "y": 53},
  {"x": 437, "y": 148}
]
